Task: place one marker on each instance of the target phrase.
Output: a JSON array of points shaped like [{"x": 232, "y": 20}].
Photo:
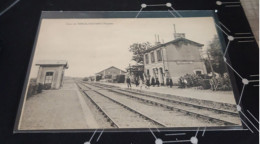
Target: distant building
[
  {"x": 51, "y": 73},
  {"x": 173, "y": 60},
  {"x": 109, "y": 74},
  {"x": 91, "y": 78}
]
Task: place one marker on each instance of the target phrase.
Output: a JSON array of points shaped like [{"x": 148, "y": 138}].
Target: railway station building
[
  {"x": 174, "y": 59},
  {"x": 51, "y": 73},
  {"x": 111, "y": 74}
]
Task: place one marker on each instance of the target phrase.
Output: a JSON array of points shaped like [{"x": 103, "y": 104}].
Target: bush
[
  {"x": 34, "y": 89},
  {"x": 189, "y": 80},
  {"x": 205, "y": 83},
  {"x": 31, "y": 90},
  {"x": 47, "y": 86},
  {"x": 39, "y": 88},
  {"x": 205, "y": 76},
  {"x": 225, "y": 83},
  {"x": 220, "y": 83}
]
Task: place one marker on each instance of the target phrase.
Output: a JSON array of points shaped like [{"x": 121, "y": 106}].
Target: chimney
[
  {"x": 177, "y": 35},
  {"x": 157, "y": 41},
  {"x": 174, "y": 29}
]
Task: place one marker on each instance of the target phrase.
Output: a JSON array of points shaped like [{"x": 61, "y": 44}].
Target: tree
[
  {"x": 206, "y": 62},
  {"x": 138, "y": 51},
  {"x": 216, "y": 55}
]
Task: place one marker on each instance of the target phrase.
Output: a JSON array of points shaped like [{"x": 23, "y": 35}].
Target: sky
[{"x": 92, "y": 45}]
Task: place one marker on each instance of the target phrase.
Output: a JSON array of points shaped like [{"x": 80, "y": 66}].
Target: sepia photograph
[{"x": 128, "y": 73}]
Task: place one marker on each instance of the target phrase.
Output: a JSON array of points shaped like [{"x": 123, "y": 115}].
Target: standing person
[
  {"x": 141, "y": 83},
  {"x": 128, "y": 81},
  {"x": 170, "y": 83},
  {"x": 167, "y": 82},
  {"x": 157, "y": 82},
  {"x": 147, "y": 83},
  {"x": 153, "y": 81},
  {"x": 136, "y": 82}
]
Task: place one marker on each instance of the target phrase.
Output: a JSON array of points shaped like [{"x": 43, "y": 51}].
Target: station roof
[
  {"x": 110, "y": 68},
  {"x": 174, "y": 42},
  {"x": 52, "y": 63}
]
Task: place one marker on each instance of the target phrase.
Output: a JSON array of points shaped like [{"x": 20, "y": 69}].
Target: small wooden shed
[{"x": 51, "y": 73}]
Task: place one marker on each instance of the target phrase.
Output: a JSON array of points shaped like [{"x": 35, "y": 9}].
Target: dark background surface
[{"x": 18, "y": 28}]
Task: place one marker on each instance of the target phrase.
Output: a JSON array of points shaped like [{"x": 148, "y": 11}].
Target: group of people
[
  {"x": 146, "y": 82},
  {"x": 169, "y": 82},
  {"x": 138, "y": 82}
]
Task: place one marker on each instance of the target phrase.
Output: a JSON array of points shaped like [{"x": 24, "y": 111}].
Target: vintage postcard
[{"x": 128, "y": 73}]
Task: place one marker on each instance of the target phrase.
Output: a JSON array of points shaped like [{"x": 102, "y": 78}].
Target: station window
[
  {"x": 147, "y": 59},
  {"x": 152, "y": 57},
  {"x": 48, "y": 78},
  {"x": 159, "y": 55}
]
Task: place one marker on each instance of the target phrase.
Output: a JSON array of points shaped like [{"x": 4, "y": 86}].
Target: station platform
[
  {"x": 64, "y": 108},
  {"x": 209, "y": 95}
]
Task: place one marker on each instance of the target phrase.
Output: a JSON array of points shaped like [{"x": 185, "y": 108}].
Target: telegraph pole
[
  {"x": 210, "y": 64},
  {"x": 213, "y": 73}
]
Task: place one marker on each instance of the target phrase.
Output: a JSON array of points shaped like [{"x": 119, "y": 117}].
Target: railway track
[
  {"x": 184, "y": 103},
  {"x": 128, "y": 118},
  {"x": 205, "y": 113},
  {"x": 220, "y": 111},
  {"x": 208, "y": 104}
]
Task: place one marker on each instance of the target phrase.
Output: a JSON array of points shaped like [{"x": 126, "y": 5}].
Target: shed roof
[
  {"x": 110, "y": 68},
  {"x": 52, "y": 62},
  {"x": 174, "y": 42}
]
